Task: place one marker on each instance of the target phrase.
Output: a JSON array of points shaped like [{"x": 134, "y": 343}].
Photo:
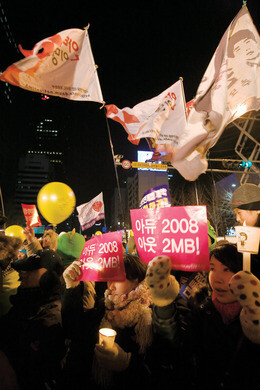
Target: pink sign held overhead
[
  {"x": 102, "y": 258},
  {"x": 178, "y": 232}
]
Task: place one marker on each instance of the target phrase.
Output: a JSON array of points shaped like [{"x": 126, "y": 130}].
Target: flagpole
[
  {"x": 184, "y": 102},
  {"x": 183, "y": 96},
  {"x": 117, "y": 180},
  {"x": 2, "y": 204},
  {"x": 110, "y": 138}
]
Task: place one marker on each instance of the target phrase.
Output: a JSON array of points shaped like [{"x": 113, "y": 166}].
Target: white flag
[
  {"x": 89, "y": 213},
  {"x": 230, "y": 87},
  {"x": 61, "y": 65},
  {"x": 162, "y": 118}
]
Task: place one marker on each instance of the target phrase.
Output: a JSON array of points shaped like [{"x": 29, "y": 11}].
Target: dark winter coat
[
  {"x": 204, "y": 351},
  {"x": 82, "y": 328},
  {"x": 32, "y": 338}
]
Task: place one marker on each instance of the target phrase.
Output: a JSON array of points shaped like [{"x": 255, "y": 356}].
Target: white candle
[{"x": 107, "y": 337}]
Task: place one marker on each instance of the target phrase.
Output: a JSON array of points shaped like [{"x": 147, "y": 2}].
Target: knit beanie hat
[
  {"x": 227, "y": 254},
  {"x": 246, "y": 197}
]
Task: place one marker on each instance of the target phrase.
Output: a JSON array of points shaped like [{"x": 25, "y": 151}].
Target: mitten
[
  {"x": 163, "y": 286},
  {"x": 72, "y": 274},
  {"x": 246, "y": 288},
  {"x": 113, "y": 359}
]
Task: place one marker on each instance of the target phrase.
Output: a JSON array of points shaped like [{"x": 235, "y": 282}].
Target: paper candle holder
[
  {"x": 247, "y": 243},
  {"x": 107, "y": 337},
  {"x": 247, "y": 239}
]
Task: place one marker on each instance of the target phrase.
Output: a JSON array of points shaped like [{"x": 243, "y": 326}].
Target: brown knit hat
[{"x": 246, "y": 197}]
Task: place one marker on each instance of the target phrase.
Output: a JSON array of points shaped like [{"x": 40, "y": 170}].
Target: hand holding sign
[{"x": 72, "y": 273}]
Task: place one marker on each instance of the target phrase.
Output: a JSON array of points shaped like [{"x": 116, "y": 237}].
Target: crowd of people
[{"x": 50, "y": 321}]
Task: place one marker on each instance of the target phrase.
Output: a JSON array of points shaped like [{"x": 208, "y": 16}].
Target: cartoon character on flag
[
  {"x": 89, "y": 213},
  {"x": 229, "y": 88},
  {"x": 61, "y": 65}
]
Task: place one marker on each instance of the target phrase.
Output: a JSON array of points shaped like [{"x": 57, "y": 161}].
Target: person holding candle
[
  {"x": 213, "y": 339},
  {"x": 126, "y": 308}
]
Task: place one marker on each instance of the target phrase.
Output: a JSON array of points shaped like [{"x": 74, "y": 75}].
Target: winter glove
[
  {"x": 246, "y": 288},
  {"x": 114, "y": 359},
  {"x": 72, "y": 274},
  {"x": 163, "y": 286}
]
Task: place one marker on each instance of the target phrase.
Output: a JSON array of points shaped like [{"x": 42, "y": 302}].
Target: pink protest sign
[
  {"x": 178, "y": 232},
  {"x": 102, "y": 258}
]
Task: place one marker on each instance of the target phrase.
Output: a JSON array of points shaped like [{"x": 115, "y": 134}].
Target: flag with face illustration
[
  {"x": 229, "y": 88},
  {"x": 61, "y": 65},
  {"x": 161, "y": 118}
]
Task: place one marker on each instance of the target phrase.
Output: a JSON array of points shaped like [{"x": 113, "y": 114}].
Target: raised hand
[{"x": 163, "y": 286}]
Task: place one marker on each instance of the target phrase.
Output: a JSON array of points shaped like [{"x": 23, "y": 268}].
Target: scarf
[
  {"x": 131, "y": 310},
  {"x": 228, "y": 311}
]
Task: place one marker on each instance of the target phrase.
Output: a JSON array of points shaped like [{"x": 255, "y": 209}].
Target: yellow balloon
[
  {"x": 56, "y": 202},
  {"x": 98, "y": 233},
  {"x": 15, "y": 231}
]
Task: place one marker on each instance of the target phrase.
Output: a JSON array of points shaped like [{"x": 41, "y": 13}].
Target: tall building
[
  {"x": 41, "y": 163},
  {"x": 117, "y": 219}
]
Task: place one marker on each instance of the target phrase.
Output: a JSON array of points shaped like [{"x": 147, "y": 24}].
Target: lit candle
[
  {"x": 247, "y": 243},
  {"x": 107, "y": 337}
]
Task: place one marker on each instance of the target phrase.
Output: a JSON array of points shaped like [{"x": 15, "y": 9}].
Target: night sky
[{"x": 141, "y": 48}]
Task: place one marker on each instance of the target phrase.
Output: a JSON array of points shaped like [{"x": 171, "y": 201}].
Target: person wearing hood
[
  {"x": 33, "y": 345},
  {"x": 211, "y": 341}
]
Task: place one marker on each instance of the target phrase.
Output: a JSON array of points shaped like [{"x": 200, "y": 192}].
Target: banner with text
[
  {"x": 61, "y": 65},
  {"x": 31, "y": 215},
  {"x": 102, "y": 258},
  {"x": 178, "y": 232},
  {"x": 156, "y": 197}
]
